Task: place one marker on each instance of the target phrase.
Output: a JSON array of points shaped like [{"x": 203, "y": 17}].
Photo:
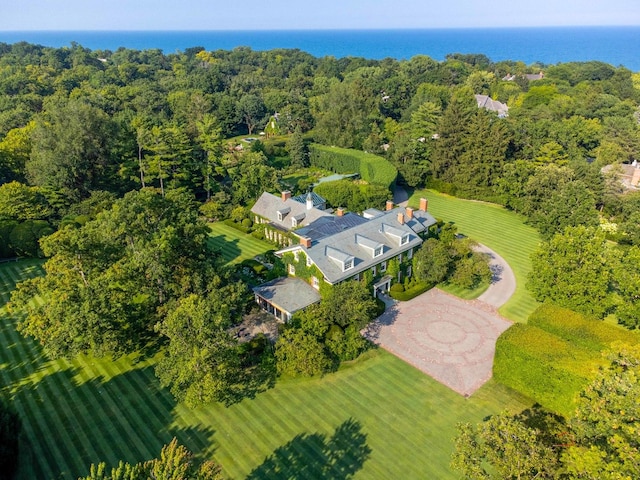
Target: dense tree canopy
[{"x": 108, "y": 280}]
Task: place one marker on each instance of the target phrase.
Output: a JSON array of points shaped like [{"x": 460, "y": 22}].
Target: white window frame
[
  {"x": 280, "y": 217},
  {"x": 378, "y": 251},
  {"x": 410, "y": 254},
  {"x": 309, "y": 262},
  {"x": 292, "y": 269},
  {"x": 294, "y": 222},
  {"x": 315, "y": 283},
  {"x": 374, "y": 270},
  {"x": 347, "y": 264},
  {"x": 405, "y": 239},
  {"x": 383, "y": 266}
]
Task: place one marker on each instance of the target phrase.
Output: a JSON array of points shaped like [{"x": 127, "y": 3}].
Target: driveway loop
[{"x": 449, "y": 339}]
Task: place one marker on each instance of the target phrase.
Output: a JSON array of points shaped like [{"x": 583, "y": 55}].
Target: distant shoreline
[{"x": 616, "y": 45}]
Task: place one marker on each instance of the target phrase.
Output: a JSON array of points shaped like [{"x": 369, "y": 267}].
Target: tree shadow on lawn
[
  {"x": 227, "y": 249},
  {"x": 68, "y": 424},
  {"x": 314, "y": 455}
]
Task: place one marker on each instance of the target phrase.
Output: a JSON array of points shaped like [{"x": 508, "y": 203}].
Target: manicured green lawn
[
  {"x": 234, "y": 245},
  {"x": 498, "y": 229},
  {"x": 378, "y": 417}
]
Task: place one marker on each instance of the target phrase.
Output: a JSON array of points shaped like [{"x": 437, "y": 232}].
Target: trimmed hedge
[
  {"x": 553, "y": 357},
  {"x": 594, "y": 335},
  {"x": 544, "y": 367},
  {"x": 372, "y": 168},
  {"x": 410, "y": 293}
]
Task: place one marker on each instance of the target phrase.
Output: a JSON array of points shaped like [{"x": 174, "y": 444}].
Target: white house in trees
[{"x": 344, "y": 246}]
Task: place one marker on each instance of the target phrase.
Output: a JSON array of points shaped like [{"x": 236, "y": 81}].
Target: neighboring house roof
[
  {"x": 281, "y": 212},
  {"x": 318, "y": 201},
  {"x": 356, "y": 246},
  {"x": 485, "y": 101},
  {"x": 289, "y": 294},
  {"x": 529, "y": 76}
]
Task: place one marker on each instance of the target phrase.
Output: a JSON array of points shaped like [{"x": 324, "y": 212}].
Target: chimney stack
[
  {"x": 309, "y": 201},
  {"x": 389, "y": 205},
  {"x": 305, "y": 242},
  {"x": 424, "y": 203},
  {"x": 409, "y": 212},
  {"x": 401, "y": 218},
  {"x": 286, "y": 195},
  {"x": 340, "y": 212}
]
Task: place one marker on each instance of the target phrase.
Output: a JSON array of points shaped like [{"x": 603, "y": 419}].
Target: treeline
[
  {"x": 73, "y": 121},
  {"x": 79, "y": 128}
]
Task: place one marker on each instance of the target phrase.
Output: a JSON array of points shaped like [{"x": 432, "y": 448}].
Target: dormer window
[
  {"x": 294, "y": 222},
  {"x": 347, "y": 265},
  {"x": 283, "y": 213},
  {"x": 405, "y": 239},
  {"x": 378, "y": 251}
]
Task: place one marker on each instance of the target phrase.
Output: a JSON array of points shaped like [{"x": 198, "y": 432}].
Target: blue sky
[{"x": 301, "y": 14}]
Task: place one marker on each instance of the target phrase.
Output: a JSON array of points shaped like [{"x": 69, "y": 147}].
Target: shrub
[
  {"x": 235, "y": 225},
  {"x": 418, "y": 289},
  {"x": 397, "y": 287},
  {"x": 247, "y": 223}
]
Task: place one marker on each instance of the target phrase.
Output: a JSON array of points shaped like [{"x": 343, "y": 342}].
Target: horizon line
[{"x": 320, "y": 29}]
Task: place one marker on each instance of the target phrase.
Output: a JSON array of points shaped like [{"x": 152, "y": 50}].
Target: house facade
[{"x": 379, "y": 244}]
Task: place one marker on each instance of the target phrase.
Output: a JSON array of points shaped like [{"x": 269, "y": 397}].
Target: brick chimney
[
  {"x": 401, "y": 218},
  {"x": 389, "y": 205},
  {"x": 424, "y": 203},
  {"x": 305, "y": 242},
  {"x": 286, "y": 195},
  {"x": 340, "y": 212},
  {"x": 409, "y": 212}
]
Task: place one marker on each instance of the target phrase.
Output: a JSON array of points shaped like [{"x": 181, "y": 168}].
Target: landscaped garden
[
  {"x": 497, "y": 228},
  {"x": 234, "y": 245},
  {"x": 378, "y": 417}
]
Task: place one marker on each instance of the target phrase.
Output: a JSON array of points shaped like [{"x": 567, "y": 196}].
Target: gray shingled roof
[
  {"x": 344, "y": 244},
  {"x": 330, "y": 225},
  {"x": 484, "y": 101},
  {"x": 268, "y": 206},
  {"x": 288, "y": 293}
]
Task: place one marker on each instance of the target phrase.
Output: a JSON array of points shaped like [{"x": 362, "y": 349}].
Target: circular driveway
[{"x": 450, "y": 339}]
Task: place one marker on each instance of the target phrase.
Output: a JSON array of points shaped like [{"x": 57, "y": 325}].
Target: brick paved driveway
[{"x": 450, "y": 339}]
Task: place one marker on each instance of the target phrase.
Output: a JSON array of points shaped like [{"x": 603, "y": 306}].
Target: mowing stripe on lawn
[
  {"x": 408, "y": 419},
  {"x": 499, "y": 229},
  {"x": 234, "y": 245}
]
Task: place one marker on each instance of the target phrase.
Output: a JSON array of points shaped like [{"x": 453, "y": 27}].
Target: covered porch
[{"x": 283, "y": 297}]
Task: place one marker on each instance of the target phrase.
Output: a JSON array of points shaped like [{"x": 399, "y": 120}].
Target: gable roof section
[{"x": 268, "y": 206}]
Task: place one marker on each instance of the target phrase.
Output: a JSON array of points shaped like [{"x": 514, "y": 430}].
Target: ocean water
[{"x": 614, "y": 45}]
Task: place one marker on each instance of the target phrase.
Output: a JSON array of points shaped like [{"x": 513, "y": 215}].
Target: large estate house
[{"x": 326, "y": 249}]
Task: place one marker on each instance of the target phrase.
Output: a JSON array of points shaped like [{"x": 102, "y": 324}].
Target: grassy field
[
  {"x": 234, "y": 245},
  {"x": 498, "y": 229},
  {"x": 380, "y": 417}
]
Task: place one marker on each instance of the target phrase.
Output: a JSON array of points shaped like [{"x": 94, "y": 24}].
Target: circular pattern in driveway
[{"x": 450, "y": 339}]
